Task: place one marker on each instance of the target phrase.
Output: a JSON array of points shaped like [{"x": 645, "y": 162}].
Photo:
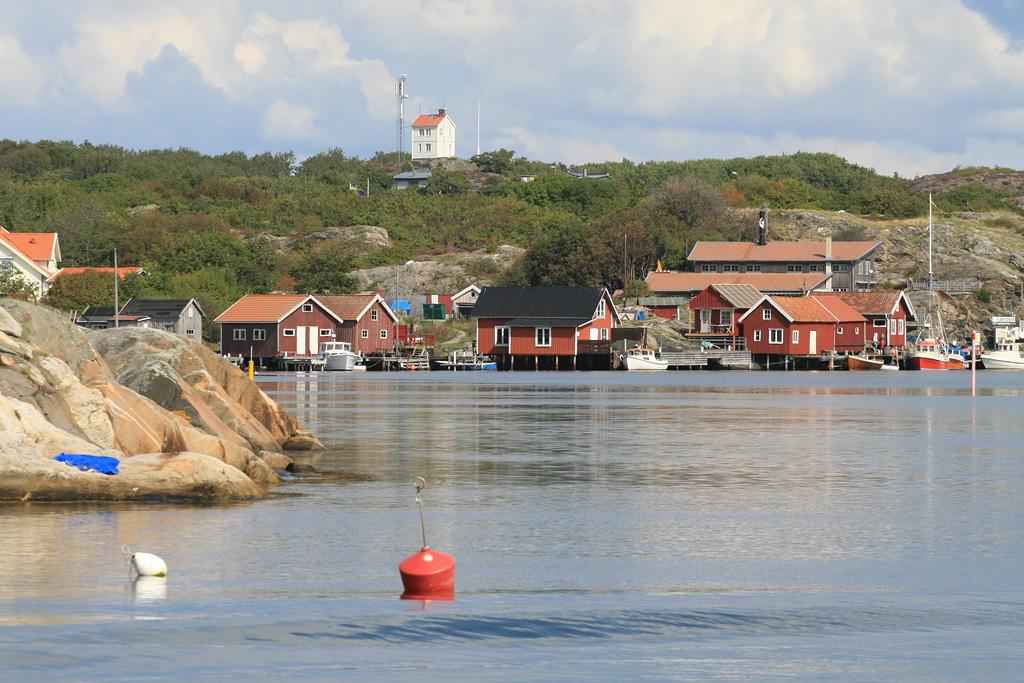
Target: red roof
[
  {"x": 428, "y": 120},
  {"x": 817, "y": 309},
  {"x": 351, "y": 306},
  {"x": 665, "y": 282},
  {"x": 122, "y": 271},
  {"x": 38, "y": 246},
  {"x": 873, "y": 303},
  {"x": 778, "y": 251},
  {"x": 261, "y": 308}
]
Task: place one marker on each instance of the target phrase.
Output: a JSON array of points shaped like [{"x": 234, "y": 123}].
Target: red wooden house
[
  {"x": 888, "y": 314},
  {"x": 716, "y": 312},
  {"x": 546, "y": 327},
  {"x": 276, "y": 327},
  {"x": 802, "y": 326},
  {"x": 369, "y": 324}
]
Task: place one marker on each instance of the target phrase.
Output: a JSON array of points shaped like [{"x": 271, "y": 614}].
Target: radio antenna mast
[{"x": 400, "y": 98}]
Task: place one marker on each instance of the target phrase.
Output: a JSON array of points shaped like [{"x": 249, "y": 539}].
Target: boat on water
[
  {"x": 465, "y": 361},
  {"x": 931, "y": 354},
  {"x": 338, "y": 356},
  {"x": 864, "y": 363},
  {"x": 1006, "y": 356},
  {"x": 643, "y": 359}
]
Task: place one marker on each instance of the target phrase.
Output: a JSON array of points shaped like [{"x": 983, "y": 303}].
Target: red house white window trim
[
  {"x": 775, "y": 335},
  {"x": 766, "y": 314},
  {"x": 501, "y": 335},
  {"x": 542, "y": 336}
]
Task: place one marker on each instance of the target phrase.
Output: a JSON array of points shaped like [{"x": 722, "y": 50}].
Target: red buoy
[{"x": 428, "y": 574}]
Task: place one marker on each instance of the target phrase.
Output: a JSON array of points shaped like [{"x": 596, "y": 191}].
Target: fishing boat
[
  {"x": 338, "y": 356},
  {"x": 931, "y": 353},
  {"x": 464, "y": 360},
  {"x": 864, "y": 363},
  {"x": 1006, "y": 356},
  {"x": 643, "y": 359}
]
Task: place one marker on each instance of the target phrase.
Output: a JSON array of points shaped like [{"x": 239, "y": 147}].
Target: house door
[
  {"x": 300, "y": 341},
  {"x": 314, "y": 340},
  {"x": 812, "y": 342},
  {"x": 705, "y": 320}
]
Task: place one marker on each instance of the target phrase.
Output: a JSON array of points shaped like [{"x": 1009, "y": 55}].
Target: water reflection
[{"x": 147, "y": 590}]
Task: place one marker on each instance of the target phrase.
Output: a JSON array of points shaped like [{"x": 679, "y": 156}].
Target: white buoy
[{"x": 146, "y": 564}]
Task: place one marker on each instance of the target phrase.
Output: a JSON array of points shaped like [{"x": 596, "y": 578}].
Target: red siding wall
[
  {"x": 318, "y": 318},
  {"x": 260, "y": 349},
  {"x": 351, "y": 331},
  {"x": 851, "y": 340},
  {"x": 523, "y": 339}
]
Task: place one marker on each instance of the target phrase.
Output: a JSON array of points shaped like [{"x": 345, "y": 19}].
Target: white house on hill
[
  {"x": 32, "y": 255},
  {"x": 433, "y": 136}
]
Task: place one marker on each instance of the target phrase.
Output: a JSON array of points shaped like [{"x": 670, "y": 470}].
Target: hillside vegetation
[{"x": 219, "y": 226}]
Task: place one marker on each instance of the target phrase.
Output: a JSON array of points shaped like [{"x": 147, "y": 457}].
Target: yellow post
[{"x": 252, "y": 369}]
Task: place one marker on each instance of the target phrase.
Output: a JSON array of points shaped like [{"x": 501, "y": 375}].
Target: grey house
[
  {"x": 180, "y": 316},
  {"x": 409, "y": 179}
]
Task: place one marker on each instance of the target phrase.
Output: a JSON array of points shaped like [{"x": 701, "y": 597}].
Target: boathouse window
[
  {"x": 501, "y": 336},
  {"x": 816, "y": 268},
  {"x": 307, "y": 308},
  {"x": 892, "y": 326},
  {"x": 903, "y": 328},
  {"x": 373, "y": 315},
  {"x": 796, "y": 336},
  {"x": 794, "y": 268},
  {"x": 839, "y": 330},
  {"x": 709, "y": 268},
  {"x": 325, "y": 332},
  {"x": 259, "y": 335},
  {"x": 600, "y": 309},
  {"x": 766, "y": 314},
  {"x": 841, "y": 267},
  {"x": 604, "y": 334},
  {"x": 731, "y": 268},
  {"x": 543, "y": 336},
  {"x": 753, "y": 267},
  {"x": 757, "y": 335},
  {"x": 775, "y": 335},
  {"x": 238, "y": 335},
  {"x": 289, "y": 333},
  {"x": 383, "y": 334},
  {"x": 878, "y": 322},
  {"x": 364, "y": 334}
]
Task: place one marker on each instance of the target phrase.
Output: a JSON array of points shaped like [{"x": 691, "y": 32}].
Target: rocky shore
[{"x": 184, "y": 423}]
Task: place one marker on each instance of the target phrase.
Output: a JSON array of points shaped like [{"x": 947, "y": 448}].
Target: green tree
[
  {"x": 14, "y": 284},
  {"x": 445, "y": 182},
  {"x": 323, "y": 269},
  {"x": 499, "y": 161}
]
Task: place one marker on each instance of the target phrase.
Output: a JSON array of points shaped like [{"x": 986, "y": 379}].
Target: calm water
[{"x": 606, "y": 525}]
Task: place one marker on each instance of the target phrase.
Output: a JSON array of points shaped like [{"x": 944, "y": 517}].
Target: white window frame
[
  {"x": 878, "y": 322},
  {"x": 902, "y": 326},
  {"x": 542, "y": 337},
  {"x": 364, "y": 334},
  {"x": 766, "y": 314},
  {"x": 383, "y": 334},
  {"x": 794, "y": 268},
  {"x": 753, "y": 268},
  {"x": 757, "y": 335},
  {"x": 796, "y": 336},
  {"x": 601, "y": 309},
  {"x": 840, "y": 267},
  {"x": 238, "y": 334},
  {"x": 816, "y": 268},
  {"x": 708, "y": 268},
  {"x": 289, "y": 332},
  {"x": 502, "y": 335},
  {"x": 775, "y": 335},
  {"x": 604, "y": 334},
  {"x": 892, "y": 326},
  {"x": 731, "y": 268},
  {"x": 326, "y": 332},
  {"x": 259, "y": 335},
  {"x": 373, "y": 315},
  {"x": 307, "y": 308},
  {"x": 839, "y": 330}
]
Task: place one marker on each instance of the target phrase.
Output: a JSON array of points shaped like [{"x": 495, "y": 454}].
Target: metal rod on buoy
[
  {"x": 974, "y": 363},
  {"x": 428, "y": 574},
  {"x": 420, "y": 483}
]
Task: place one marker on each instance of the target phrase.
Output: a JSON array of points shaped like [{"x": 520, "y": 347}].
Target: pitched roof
[
  {"x": 534, "y": 303},
  {"x": 353, "y": 306},
  {"x": 778, "y": 251},
  {"x": 878, "y": 302},
  {"x": 262, "y": 308},
  {"x": 766, "y": 282},
  {"x": 122, "y": 271},
  {"x": 38, "y": 246},
  {"x": 428, "y": 120},
  {"x": 158, "y": 308},
  {"x": 816, "y": 309},
  {"x": 740, "y": 296}
]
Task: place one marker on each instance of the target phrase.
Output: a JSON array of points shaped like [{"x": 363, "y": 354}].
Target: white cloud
[
  {"x": 291, "y": 122},
  {"x": 550, "y": 147},
  {"x": 21, "y": 79}
]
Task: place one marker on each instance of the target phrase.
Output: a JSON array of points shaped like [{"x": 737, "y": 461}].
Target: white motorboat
[
  {"x": 643, "y": 359},
  {"x": 1006, "y": 356},
  {"x": 338, "y": 356}
]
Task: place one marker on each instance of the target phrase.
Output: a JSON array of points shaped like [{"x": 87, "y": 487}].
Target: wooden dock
[{"x": 702, "y": 359}]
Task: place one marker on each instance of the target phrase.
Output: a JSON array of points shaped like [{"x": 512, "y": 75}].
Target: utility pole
[
  {"x": 117, "y": 303},
  {"x": 400, "y": 98}
]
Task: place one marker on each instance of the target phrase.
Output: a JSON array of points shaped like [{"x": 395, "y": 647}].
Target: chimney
[
  {"x": 762, "y": 228},
  {"x": 441, "y": 112},
  {"x": 828, "y": 264}
]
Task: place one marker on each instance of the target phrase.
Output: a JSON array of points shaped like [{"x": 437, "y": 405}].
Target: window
[
  {"x": 757, "y": 335},
  {"x": 543, "y": 336},
  {"x": 238, "y": 335},
  {"x": 373, "y": 315},
  {"x": 839, "y": 330},
  {"x": 878, "y": 322},
  {"x": 601, "y": 309},
  {"x": 428, "y": 146},
  {"x": 259, "y": 335},
  {"x": 794, "y": 268},
  {"x": 419, "y": 147},
  {"x": 289, "y": 333},
  {"x": 892, "y": 326},
  {"x": 307, "y": 308},
  {"x": 775, "y": 335},
  {"x": 903, "y": 328},
  {"x": 796, "y": 336},
  {"x": 840, "y": 267},
  {"x": 190, "y": 333},
  {"x": 383, "y": 334},
  {"x": 753, "y": 267},
  {"x": 816, "y": 268},
  {"x": 731, "y": 268},
  {"x": 191, "y": 312},
  {"x": 766, "y": 314},
  {"x": 725, "y": 317},
  {"x": 6, "y": 265},
  {"x": 604, "y": 334},
  {"x": 856, "y": 330},
  {"x": 501, "y": 336},
  {"x": 326, "y": 332},
  {"x": 364, "y": 334},
  {"x": 709, "y": 268}
]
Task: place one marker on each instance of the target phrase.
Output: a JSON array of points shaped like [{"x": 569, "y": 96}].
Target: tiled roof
[
  {"x": 740, "y": 296},
  {"x": 122, "y": 271},
  {"x": 871, "y": 303},
  {"x": 801, "y": 252},
  {"x": 428, "y": 120},
  {"x": 347, "y": 307},
  {"x": 766, "y": 282},
  {"x": 261, "y": 308},
  {"x": 817, "y": 309},
  {"x": 38, "y": 246}
]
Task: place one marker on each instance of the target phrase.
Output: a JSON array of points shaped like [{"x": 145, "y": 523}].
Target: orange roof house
[
  {"x": 33, "y": 255},
  {"x": 433, "y": 136},
  {"x": 277, "y": 327},
  {"x": 369, "y": 324},
  {"x": 122, "y": 272},
  {"x": 672, "y": 283}
]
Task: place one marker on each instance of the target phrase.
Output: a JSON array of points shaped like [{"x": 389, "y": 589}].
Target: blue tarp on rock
[{"x": 104, "y": 464}]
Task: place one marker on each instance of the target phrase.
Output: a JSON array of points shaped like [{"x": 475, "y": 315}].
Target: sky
[{"x": 912, "y": 87}]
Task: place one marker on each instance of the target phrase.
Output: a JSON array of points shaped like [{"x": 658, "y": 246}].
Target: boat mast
[{"x": 930, "y": 242}]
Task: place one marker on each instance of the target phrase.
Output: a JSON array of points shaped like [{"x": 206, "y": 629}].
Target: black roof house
[
  {"x": 160, "y": 310},
  {"x": 530, "y": 306}
]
